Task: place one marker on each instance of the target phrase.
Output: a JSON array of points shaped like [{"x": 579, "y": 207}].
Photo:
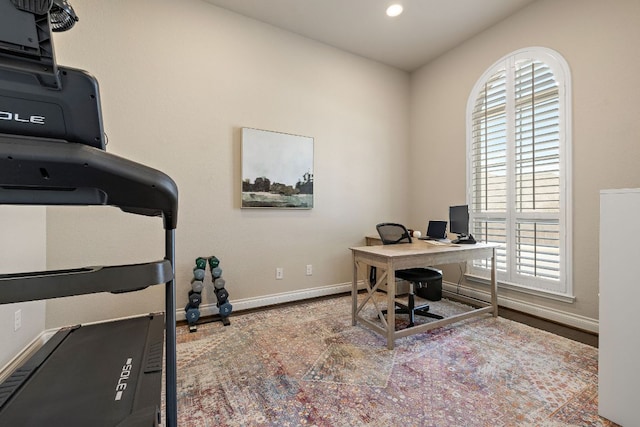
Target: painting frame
[{"x": 277, "y": 170}]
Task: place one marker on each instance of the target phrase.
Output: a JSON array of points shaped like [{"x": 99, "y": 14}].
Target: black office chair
[{"x": 391, "y": 234}]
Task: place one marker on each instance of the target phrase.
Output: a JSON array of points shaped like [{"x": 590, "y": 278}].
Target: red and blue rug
[{"x": 305, "y": 365}]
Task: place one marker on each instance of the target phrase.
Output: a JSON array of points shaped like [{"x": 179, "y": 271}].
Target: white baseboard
[
  {"x": 273, "y": 299},
  {"x": 563, "y": 317}
]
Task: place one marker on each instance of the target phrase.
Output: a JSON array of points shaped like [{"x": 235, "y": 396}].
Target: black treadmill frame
[{"x": 41, "y": 171}]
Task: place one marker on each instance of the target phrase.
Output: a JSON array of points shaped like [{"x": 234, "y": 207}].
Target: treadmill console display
[{"x": 38, "y": 98}]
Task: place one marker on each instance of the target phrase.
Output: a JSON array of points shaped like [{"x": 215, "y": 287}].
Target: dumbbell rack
[
  {"x": 39, "y": 171},
  {"x": 192, "y": 310}
]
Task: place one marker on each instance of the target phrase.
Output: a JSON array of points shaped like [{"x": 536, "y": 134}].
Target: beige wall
[
  {"x": 22, "y": 249},
  {"x": 597, "y": 39},
  {"x": 178, "y": 81}
]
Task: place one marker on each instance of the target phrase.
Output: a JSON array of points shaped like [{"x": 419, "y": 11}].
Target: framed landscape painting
[{"x": 277, "y": 170}]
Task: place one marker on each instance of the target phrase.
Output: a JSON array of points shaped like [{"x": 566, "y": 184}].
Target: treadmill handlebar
[
  {"x": 41, "y": 171},
  {"x": 34, "y": 286}
]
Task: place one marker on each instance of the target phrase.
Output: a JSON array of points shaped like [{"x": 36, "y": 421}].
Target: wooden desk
[{"x": 387, "y": 259}]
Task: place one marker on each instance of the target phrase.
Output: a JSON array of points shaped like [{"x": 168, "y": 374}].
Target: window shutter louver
[{"x": 489, "y": 146}]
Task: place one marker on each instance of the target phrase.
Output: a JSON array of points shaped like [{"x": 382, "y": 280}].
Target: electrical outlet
[
  {"x": 279, "y": 273},
  {"x": 17, "y": 320},
  {"x": 309, "y": 269}
]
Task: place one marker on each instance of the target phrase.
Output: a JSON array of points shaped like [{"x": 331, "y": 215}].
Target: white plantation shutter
[
  {"x": 489, "y": 165},
  {"x": 518, "y": 169}
]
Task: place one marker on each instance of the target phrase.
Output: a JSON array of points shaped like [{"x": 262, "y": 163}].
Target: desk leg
[
  {"x": 354, "y": 291},
  {"x": 494, "y": 285},
  {"x": 391, "y": 305}
]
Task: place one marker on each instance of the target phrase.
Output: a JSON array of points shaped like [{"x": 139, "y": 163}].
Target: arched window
[{"x": 518, "y": 169}]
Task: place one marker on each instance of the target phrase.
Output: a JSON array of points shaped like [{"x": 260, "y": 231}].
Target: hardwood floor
[{"x": 558, "y": 329}]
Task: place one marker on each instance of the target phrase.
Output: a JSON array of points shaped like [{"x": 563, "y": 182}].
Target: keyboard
[{"x": 436, "y": 243}]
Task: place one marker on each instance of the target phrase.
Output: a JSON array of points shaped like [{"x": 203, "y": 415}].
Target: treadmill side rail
[
  {"x": 21, "y": 375},
  {"x": 62, "y": 283}
]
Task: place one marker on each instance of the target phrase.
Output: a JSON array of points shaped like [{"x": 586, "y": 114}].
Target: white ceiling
[{"x": 426, "y": 29}]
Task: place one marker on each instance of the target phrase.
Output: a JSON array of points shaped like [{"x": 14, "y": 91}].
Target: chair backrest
[{"x": 392, "y": 233}]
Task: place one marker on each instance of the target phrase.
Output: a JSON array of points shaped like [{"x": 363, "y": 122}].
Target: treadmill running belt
[{"x": 108, "y": 374}]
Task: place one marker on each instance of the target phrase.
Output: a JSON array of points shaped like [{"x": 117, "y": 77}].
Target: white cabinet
[{"x": 619, "y": 344}]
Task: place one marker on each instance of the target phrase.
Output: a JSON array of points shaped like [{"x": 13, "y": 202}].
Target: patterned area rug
[{"x": 305, "y": 365}]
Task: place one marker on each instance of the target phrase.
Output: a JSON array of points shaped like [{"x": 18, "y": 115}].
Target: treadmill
[{"x": 52, "y": 152}]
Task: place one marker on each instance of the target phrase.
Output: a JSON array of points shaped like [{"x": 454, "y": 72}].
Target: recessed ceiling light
[{"x": 394, "y": 10}]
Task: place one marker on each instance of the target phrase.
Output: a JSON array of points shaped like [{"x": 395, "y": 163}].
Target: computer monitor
[{"x": 459, "y": 223}]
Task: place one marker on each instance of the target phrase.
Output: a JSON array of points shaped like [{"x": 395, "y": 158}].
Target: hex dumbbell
[
  {"x": 195, "y": 299},
  {"x": 216, "y": 273},
  {"x": 222, "y": 295},
  {"x": 219, "y": 283},
  {"x": 192, "y": 314},
  {"x": 225, "y": 309},
  {"x": 197, "y": 285},
  {"x": 213, "y": 262},
  {"x": 198, "y": 273}
]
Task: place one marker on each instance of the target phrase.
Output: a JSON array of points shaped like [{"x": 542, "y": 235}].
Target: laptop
[{"x": 436, "y": 230}]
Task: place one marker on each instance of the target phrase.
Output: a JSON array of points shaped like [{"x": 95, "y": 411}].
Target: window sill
[{"x": 569, "y": 299}]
